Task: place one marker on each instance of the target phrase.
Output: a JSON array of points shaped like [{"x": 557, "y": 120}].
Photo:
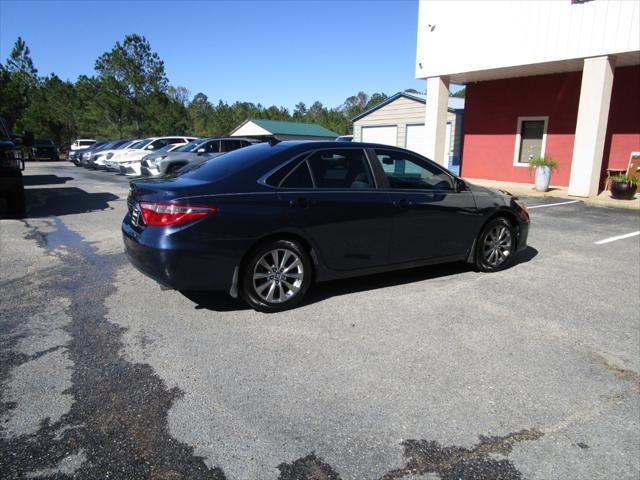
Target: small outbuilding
[
  {"x": 263, "y": 129},
  {"x": 399, "y": 121}
]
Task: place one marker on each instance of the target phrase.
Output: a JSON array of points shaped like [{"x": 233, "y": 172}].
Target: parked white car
[
  {"x": 128, "y": 161},
  {"x": 81, "y": 144},
  {"x": 103, "y": 155}
]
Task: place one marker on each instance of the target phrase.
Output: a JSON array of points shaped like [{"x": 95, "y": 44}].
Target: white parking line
[
  {"x": 619, "y": 237},
  {"x": 552, "y": 204}
]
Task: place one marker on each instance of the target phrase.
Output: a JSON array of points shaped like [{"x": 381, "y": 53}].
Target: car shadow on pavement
[
  {"x": 222, "y": 302},
  {"x": 322, "y": 291},
  {"x": 47, "y": 202},
  {"x": 30, "y": 180},
  {"x": 215, "y": 301}
]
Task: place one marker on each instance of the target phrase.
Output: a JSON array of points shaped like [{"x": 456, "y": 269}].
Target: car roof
[{"x": 313, "y": 144}]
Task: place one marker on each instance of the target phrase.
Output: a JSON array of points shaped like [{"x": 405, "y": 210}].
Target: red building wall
[
  {"x": 491, "y": 116},
  {"x": 623, "y": 128}
]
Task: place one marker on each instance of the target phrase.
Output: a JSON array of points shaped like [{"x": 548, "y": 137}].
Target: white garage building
[{"x": 399, "y": 121}]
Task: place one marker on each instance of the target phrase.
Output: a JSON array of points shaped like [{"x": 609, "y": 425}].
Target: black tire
[
  {"x": 16, "y": 203},
  {"x": 258, "y": 284},
  {"x": 496, "y": 246}
]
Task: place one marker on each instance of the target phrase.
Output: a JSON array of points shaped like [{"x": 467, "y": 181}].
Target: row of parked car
[{"x": 151, "y": 156}]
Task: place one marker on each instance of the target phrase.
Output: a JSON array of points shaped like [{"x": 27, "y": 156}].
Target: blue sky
[{"x": 272, "y": 52}]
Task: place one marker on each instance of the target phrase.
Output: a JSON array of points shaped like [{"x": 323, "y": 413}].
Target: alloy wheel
[
  {"x": 497, "y": 245},
  {"x": 278, "y": 275}
]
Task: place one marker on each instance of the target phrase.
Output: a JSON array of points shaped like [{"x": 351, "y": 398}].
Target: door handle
[
  {"x": 302, "y": 203},
  {"x": 402, "y": 204}
]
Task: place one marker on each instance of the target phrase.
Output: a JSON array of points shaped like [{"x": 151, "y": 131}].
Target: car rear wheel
[
  {"x": 276, "y": 276},
  {"x": 496, "y": 246}
]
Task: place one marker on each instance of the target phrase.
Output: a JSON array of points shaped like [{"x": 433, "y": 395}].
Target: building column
[
  {"x": 591, "y": 126},
  {"x": 435, "y": 119}
]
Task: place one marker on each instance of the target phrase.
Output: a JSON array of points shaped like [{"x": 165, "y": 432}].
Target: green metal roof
[{"x": 278, "y": 127}]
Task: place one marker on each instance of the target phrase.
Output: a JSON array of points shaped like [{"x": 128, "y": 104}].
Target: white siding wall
[
  {"x": 472, "y": 35},
  {"x": 401, "y": 112}
]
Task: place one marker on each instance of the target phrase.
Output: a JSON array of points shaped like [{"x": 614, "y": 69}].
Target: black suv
[
  {"x": 11, "y": 166},
  {"x": 44, "y": 150}
]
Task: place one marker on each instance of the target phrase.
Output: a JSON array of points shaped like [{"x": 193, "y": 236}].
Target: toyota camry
[{"x": 267, "y": 221}]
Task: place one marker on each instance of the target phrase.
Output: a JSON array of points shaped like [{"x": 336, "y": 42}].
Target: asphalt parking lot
[{"x": 432, "y": 373}]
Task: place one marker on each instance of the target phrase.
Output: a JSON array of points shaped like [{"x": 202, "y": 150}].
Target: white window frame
[{"x": 516, "y": 150}]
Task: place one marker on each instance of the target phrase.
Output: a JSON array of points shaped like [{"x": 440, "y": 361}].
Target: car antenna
[{"x": 273, "y": 141}]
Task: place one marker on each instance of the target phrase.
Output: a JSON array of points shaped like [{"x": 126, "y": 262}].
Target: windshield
[
  {"x": 141, "y": 144},
  {"x": 137, "y": 145},
  {"x": 165, "y": 149},
  {"x": 108, "y": 146},
  {"x": 129, "y": 144},
  {"x": 191, "y": 146},
  {"x": 119, "y": 143},
  {"x": 4, "y": 130},
  {"x": 84, "y": 143}
]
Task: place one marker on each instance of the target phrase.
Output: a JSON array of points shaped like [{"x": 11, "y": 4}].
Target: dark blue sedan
[{"x": 266, "y": 221}]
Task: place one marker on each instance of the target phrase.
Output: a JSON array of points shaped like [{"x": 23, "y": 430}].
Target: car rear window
[{"x": 228, "y": 163}]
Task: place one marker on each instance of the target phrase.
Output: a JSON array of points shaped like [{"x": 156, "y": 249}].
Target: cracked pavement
[{"x": 432, "y": 373}]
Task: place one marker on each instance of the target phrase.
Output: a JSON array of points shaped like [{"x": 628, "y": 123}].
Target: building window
[{"x": 531, "y": 139}]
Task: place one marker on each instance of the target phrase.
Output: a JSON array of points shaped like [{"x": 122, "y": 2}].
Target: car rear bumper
[{"x": 176, "y": 268}]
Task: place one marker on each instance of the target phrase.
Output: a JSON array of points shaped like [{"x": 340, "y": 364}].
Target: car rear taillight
[{"x": 163, "y": 214}]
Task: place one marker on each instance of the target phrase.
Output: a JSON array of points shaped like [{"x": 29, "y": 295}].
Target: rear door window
[
  {"x": 212, "y": 147},
  {"x": 300, "y": 177},
  {"x": 341, "y": 168},
  {"x": 229, "y": 145}
]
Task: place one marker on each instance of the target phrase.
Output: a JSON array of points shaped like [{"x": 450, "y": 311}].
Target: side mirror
[
  {"x": 28, "y": 139},
  {"x": 150, "y": 147},
  {"x": 460, "y": 185},
  {"x": 387, "y": 161},
  {"x": 201, "y": 150},
  {"x": 17, "y": 141}
]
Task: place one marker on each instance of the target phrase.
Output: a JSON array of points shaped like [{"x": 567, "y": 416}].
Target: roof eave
[{"x": 395, "y": 97}]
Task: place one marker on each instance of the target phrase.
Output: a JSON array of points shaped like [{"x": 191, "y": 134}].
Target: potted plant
[
  {"x": 543, "y": 167},
  {"x": 623, "y": 187}
]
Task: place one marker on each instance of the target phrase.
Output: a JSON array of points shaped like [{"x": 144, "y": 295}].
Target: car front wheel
[
  {"x": 276, "y": 276},
  {"x": 496, "y": 246}
]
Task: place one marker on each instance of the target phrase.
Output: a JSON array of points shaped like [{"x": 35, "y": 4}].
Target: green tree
[
  {"x": 300, "y": 111},
  {"x": 375, "y": 99},
  {"x": 18, "y": 80},
  {"x": 51, "y": 112},
  {"x": 132, "y": 75},
  {"x": 199, "y": 113},
  {"x": 460, "y": 93}
]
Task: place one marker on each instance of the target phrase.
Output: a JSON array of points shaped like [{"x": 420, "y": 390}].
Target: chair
[{"x": 633, "y": 169}]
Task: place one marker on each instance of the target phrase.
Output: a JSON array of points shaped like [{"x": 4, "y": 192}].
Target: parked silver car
[{"x": 198, "y": 150}]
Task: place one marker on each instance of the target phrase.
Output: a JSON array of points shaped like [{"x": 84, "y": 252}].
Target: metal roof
[
  {"x": 455, "y": 103},
  {"x": 278, "y": 127}
]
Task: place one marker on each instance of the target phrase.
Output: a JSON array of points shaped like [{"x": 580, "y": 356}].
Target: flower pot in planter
[
  {"x": 623, "y": 190},
  {"x": 543, "y": 177}
]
